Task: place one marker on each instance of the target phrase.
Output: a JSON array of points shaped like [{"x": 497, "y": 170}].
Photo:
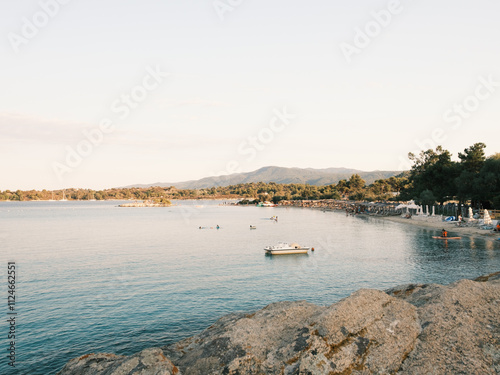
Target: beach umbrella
[
  {"x": 427, "y": 210},
  {"x": 471, "y": 214},
  {"x": 411, "y": 204},
  {"x": 433, "y": 213},
  {"x": 487, "y": 218}
]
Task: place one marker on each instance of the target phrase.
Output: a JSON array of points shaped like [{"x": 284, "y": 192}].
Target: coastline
[
  {"x": 452, "y": 227},
  {"x": 422, "y": 221}
]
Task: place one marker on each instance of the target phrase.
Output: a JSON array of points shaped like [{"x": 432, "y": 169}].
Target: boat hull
[
  {"x": 303, "y": 250},
  {"x": 446, "y": 238}
]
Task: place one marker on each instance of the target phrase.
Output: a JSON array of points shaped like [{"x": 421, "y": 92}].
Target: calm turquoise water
[{"x": 93, "y": 277}]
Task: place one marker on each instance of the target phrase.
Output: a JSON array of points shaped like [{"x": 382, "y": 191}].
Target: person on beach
[{"x": 444, "y": 233}]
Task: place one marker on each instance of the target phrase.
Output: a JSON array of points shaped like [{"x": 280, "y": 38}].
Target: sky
[{"x": 100, "y": 94}]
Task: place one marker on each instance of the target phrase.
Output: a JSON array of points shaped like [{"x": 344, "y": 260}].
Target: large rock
[
  {"x": 460, "y": 327},
  {"x": 148, "y": 362},
  {"x": 410, "y": 329},
  {"x": 369, "y": 331}
]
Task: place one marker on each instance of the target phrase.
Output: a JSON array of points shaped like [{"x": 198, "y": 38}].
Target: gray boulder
[
  {"x": 369, "y": 331},
  {"x": 460, "y": 327}
]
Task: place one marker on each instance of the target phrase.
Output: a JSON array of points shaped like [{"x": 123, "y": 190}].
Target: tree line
[
  {"x": 474, "y": 179},
  {"x": 434, "y": 178},
  {"x": 355, "y": 188}
]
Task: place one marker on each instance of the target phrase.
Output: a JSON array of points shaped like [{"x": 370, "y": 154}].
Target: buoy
[{"x": 312, "y": 249}]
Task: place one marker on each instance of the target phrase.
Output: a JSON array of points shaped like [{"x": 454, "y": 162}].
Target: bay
[{"x": 93, "y": 277}]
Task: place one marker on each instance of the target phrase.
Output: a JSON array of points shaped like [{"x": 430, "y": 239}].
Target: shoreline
[
  {"x": 451, "y": 227},
  {"x": 127, "y": 200},
  {"x": 428, "y": 222}
]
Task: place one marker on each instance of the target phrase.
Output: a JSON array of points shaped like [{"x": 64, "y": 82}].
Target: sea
[{"x": 94, "y": 277}]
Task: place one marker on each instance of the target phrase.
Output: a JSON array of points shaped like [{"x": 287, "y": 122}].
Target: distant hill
[{"x": 318, "y": 177}]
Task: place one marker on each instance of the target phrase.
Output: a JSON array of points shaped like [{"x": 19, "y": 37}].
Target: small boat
[
  {"x": 253, "y": 227},
  {"x": 446, "y": 238},
  {"x": 285, "y": 248},
  {"x": 266, "y": 204}
]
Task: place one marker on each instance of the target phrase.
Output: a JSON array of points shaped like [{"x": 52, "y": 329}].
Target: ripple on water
[{"x": 94, "y": 277}]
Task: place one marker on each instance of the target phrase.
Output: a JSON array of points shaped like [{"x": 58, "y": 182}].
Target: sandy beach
[
  {"x": 436, "y": 223},
  {"x": 423, "y": 221}
]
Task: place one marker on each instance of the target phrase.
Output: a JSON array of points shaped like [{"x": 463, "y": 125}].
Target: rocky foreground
[{"x": 410, "y": 329}]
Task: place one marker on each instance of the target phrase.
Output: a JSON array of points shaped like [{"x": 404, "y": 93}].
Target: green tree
[
  {"x": 472, "y": 159},
  {"x": 432, "y": 170},
  {"x": 427, "y": 198},
  {"x": 342, "y": 187},
  {"x": 487, "y": 183},
  {"x": 471, "y": 163},
  {"x": 356, "y": 183}
]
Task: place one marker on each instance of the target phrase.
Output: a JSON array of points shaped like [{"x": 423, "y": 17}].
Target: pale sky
[{"x": 361, "y": 83}]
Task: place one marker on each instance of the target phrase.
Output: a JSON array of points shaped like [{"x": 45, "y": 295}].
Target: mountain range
[{"x": 281, "y": 175}]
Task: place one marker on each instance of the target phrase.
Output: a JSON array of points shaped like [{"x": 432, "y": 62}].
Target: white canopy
[{"x": 410, "y": 204}]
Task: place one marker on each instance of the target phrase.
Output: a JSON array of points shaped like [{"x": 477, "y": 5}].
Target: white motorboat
[
  {"x": 285, "y": 248},
  {"x": 266, "y": 204}
]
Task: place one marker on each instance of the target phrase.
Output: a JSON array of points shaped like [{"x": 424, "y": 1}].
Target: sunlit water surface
[{"x": 93, "y": 277}]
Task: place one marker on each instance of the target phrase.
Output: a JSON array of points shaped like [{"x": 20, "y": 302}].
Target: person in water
[{"x": 444, "y": 233}]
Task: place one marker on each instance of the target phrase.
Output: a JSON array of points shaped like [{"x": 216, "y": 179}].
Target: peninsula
[{"x": 161, "y": 202}]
